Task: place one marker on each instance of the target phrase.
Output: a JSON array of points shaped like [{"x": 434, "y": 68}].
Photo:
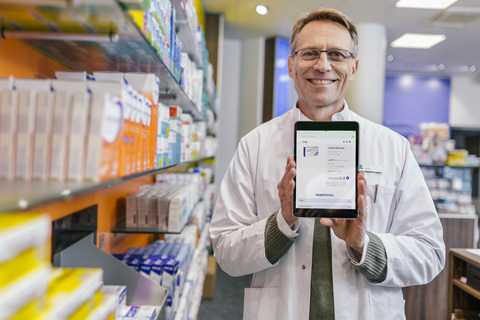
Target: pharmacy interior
[{"x": 116, "y": 115}]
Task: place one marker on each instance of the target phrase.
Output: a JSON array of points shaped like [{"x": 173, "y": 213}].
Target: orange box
[
  {"x": 120, "y": 90},
  {"x": 148, "y": 85},
  {"x": 105, "y": 137}
]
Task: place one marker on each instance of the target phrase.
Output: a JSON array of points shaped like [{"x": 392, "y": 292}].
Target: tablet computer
[{"x": 326, "y": 157}]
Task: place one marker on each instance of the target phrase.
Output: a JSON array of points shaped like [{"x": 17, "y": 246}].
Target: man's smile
[{"x": 319, "y": 81}]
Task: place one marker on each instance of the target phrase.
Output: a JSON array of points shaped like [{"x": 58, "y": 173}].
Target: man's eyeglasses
[{"x": 334, "y": 56}]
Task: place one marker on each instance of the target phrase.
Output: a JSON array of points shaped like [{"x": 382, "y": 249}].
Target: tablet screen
[{"x": 326, "y": 159}]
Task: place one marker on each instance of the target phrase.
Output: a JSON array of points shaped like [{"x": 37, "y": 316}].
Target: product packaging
[
  {"x": 104, "y": 138},
  {"x": 62, "y": 109},
  {"x": 118, "y": 292},
  {"x": 27, "y": 103},
  {"x": 79, "y": 125},
  {"x": 8, "y": 129},
  {"x": 73, "y": 75},
  {"x": 148, "y": 85},
  {"x": 175, "y": 137},
  {"x": 163, "y": 133},
  {"x": 43, "y": 134}
]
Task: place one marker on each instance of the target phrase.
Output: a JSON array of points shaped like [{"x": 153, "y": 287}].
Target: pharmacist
[{"x": 395, "y": 242}]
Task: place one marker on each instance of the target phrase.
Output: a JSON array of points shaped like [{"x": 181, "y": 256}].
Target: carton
[
  {"x": 135, "y": 312},
  {"x": 163, "y": 134},
  {"x": 148, "y": 85},
  {"x": 43, "y": 135},
  {"x": 119, "y": 292},
  {"x": 8, "y": 129},
  {"x": 62, "y": 117},
  {"x": 145, "y": 132},
  {"x": 175, "y": 134},
  {"x": 73, "y": 75},
  {"x": 104, "y": 137},
  {"x": 27, "y": 103},
  {"x": 79, "y": 125},
  {"x": 129, "y": 105},
  {"x": 136, "y": 118},
  {"x": 186, "y": 149},
  {"x": 124, "y": 141}
]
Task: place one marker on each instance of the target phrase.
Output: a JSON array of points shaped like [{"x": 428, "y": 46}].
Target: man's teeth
[{"x": 322, "y": 81}]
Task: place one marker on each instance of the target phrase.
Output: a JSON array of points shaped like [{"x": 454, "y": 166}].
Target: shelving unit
[
  {"x": 460, "y": 294},
  {"x": 115, "y": 44},
  {"x": 97, "y": 35},
  {"x": 20, "y": 195},
  {"x": 459, "y": 231}
]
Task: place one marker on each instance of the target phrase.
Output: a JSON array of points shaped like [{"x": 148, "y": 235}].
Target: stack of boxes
[
  {"x": 168, "y": 262},
  {"x": 31, "y": 289},
  {"x": 76, "y": 129},
  {"x": 165, "y": 205},
  {"x": 24, "y": 264},
  {"x": 158, "y": 23}
]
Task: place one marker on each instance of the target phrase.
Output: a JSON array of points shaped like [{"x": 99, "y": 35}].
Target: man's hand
[
  {"x": 352, "y": 231},
  {"x": 285, "y": 192}
]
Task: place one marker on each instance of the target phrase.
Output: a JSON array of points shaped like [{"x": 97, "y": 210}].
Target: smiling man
[{"x": 328, "y": 268}]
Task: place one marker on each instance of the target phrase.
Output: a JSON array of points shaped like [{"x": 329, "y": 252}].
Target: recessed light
[
  {"x": 262, "y": 10},
  {"x": 472, "y": 68},
  {"x": 441, "y": 66},
  {"x": 390, "y": 58},
  {"x": 425, "y": 4},
  {"x": 418, "y": 41}
]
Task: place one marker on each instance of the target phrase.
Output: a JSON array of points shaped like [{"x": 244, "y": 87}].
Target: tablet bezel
[{"x": 324, "y": 126}]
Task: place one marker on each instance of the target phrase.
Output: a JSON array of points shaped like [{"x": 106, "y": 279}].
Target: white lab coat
[{"x": 403, "y": 216}]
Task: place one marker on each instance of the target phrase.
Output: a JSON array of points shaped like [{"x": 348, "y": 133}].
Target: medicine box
[
  {"x": 148, "y": 85},
  {"x": 104, "y": 138},
  {"x": 79, "y": 125},
  {"x": 8, "y": 129},
  {"x": 26, "y": 106}
]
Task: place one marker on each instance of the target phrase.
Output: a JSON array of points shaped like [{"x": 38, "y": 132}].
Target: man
[{"x": 395, "y": 242}]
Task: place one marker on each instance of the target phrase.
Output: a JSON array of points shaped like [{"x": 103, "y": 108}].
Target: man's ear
[
  {"x": 290, "y": 66},
  {"x": 354, "y": 69}
]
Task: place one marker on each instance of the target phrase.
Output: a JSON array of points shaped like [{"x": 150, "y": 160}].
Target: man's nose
[{"x": 322, "y": 63}]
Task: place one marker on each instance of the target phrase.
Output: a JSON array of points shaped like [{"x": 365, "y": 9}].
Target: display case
[{"x": 464, "y": 289}]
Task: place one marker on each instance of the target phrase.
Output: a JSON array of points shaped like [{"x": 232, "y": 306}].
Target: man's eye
[
  {"x": 309, "y": 54},
  {"x": 337, "y": 54}
]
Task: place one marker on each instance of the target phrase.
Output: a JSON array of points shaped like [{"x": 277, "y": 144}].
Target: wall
[
  {"x": 229, "y": 107},
  {"x": 464, "y": 102},
  {"x": 411, "y": 100},
  {"x": 241, "y": 96},
  {"x": 251, "y": 84}
]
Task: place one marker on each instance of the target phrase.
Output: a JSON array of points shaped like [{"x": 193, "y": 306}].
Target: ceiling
[{"x": 460, "y": 23}]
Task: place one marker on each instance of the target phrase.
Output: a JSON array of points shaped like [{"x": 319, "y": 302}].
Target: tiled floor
[{"x": 228, "y": 300}]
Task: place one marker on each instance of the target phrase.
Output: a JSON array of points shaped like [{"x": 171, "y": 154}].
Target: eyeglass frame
[{"x": 326, "y": 52}]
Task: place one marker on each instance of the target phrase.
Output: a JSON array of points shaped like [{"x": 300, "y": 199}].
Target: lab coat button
[{"x": 303, "y": 267}]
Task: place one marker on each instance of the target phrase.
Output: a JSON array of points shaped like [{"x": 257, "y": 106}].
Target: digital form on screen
[{"x": 326, "y": 170}]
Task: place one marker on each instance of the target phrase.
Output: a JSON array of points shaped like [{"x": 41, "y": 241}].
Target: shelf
[
  {"x": 444, "y": 165},
  {"x": 19, "y": 195},
  {"x": 466, "y": 288},
  {"x": 123, "y": 229},
  {"x": 100, "y": 37},
  {"x": 140, "y": 290},
  {"x": 189, "y": 42}
]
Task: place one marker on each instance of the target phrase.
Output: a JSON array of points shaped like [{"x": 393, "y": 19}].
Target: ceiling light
[
  {"x": 262, "y": 10},
  {"x": 425, "y": 4},
  {"x": 390, "y": 58},
  {"x": 441, "y": 66},
  {"x": 472, "y": 68},
  {"x": 418, "y": 41}
]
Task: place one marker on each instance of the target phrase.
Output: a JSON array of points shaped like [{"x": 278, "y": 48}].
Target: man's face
[{"x": 322, "y": 84}]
